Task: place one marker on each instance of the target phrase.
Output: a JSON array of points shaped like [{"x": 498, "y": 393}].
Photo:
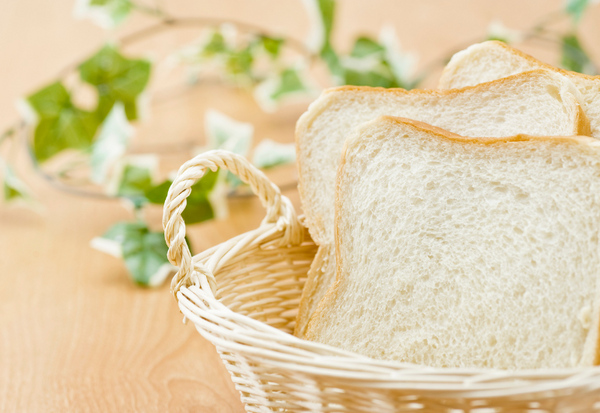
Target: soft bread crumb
[
  {"x": 536, "y": 103},
  {"x": 458, "y": 252}
]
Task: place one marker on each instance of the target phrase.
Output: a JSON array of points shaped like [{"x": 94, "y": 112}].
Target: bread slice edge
[{"x": 591, "y": 350}]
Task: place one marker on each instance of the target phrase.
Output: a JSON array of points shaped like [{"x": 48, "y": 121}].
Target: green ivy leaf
[
  {"x": 61, "y": 124},
  {"x": 215, "y": 45},
  {"x": 269, "y": 154},
  {"x": 111, "y": 143},
  {"x": 497, "y": 38},
  {"x": 323, "y": 12},
  {"x": 223, "y": 132},
  {"x": 326, "y": 13},
  {"x": 373, "y": 79},
  {"x": 158, "y": 194},
  {"x": 576, "y": 8},
  {"x": 105, "y": 13},
  {"x": 135, "y": 181},
  {"x": 144, "y": 251},
  {"x": 574, "y": 58},
  {"x": 364, "y": 46},
  {"x": 272, "y": 45},
  {"x": 273, "y": 91},
  {"x": 396, "y": 62},
  {"x": 240, "y": 62},
  {"x": 50, "y": 101},
  {"x": 370, "y": 78},
  {"x": 198, "y": 208},
  {"x": 116, "y": 78},
  {"x": 14, "y": 188},
  {"x": 290, "y": 82},
  {"x": 10, "y": 193},
  {"x": 226, "y": 133},
  {"x": 332, "y": 60},
  {"x": 145, "y": 254}
]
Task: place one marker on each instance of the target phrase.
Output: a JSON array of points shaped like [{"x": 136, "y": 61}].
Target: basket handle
[{"x": 279, "y": 210}]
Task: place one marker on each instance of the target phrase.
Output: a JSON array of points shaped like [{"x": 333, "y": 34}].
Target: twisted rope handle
[{"x": 279, "y": 212}]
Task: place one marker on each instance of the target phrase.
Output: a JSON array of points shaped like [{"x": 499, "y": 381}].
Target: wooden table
[{"x": 75, "y": 333}]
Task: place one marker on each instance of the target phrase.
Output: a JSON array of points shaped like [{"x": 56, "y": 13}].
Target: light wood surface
[{"x": 75, "y": 333}]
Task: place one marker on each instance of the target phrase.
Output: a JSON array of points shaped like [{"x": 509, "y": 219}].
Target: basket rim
[
  {"x": 359, "y": 370},
  {"x": 254, "y": 341}
]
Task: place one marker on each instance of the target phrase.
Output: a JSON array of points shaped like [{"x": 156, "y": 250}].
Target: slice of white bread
[
  {"x": 465, "y": 252},
  {"x": 491, "y": 60},
  {"x": 537, "y": 103}
]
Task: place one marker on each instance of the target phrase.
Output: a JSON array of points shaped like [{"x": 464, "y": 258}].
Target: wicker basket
[{"x": 243, "y": 295}]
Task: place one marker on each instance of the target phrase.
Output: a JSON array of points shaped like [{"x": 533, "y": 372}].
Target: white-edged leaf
[
  {"x": 320, "y": 14},
  {"x": 316, "y": 37},
  {"x": 576, "y": 8},
  {"x": 218, "y": 197},
  {"x": 159, "y": 277},
  {"x": 26, "y": 111},
  {"x": 111, "y": 143},
  {"x": 107, "y": 246},
  {"x": 269, "y": 153},
  {"x": 130, "y": 178},
  {"x": 291, "y": 83},
  {"x": 210, "y": 44},
  {"x": 401, "y": 63},
  {"x": 361, "y": 64},
  {"x": 498, "y": 31},
  {"x": 14, "y": 190},
  {"x": 574, "y": 57},
  {"x": 107, "y": 14},
  {"x": 143, "y": 251},
  {"x": 223, "y": 132}
]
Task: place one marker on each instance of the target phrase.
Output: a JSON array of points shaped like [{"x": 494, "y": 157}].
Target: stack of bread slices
[{"x": 457, "y": 227}]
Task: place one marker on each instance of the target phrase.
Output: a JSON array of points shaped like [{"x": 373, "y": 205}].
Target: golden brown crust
[
  {"x": 440, "y": 92},
  {"x": 596, "y": 361},
  {"x": 333, "y": 291},
  {"x": 544, "y": 65},
  {"x": 528, "y": 58},
  {"x": 308, "y": 291},
  {"x": 442, "y": 133},
  {"x": 584, "y": 127}
]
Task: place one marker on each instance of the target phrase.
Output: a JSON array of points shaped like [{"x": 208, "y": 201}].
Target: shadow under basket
[{"x": 243, "y": 296}]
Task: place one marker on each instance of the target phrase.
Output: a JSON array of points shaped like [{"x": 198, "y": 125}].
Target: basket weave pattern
[{"x": 243, "y": 295}]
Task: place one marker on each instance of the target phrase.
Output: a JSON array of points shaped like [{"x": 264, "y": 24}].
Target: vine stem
[{"x": 166, "y": 22}]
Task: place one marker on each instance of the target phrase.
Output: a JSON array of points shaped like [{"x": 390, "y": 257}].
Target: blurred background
[{"x": 102, "y": 100}]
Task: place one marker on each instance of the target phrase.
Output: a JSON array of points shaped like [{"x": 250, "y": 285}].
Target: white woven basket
[{"x": 243, "y": 295}]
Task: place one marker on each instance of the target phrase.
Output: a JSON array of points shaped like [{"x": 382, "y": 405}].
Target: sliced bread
[
  {"x": 493, "y": 60},
  {"x": 465, "y": 252},
  {"x": 537, "y": 103}
]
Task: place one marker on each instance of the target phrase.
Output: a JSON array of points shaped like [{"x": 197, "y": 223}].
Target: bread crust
[
  {"x": 312, "y": 280},
  {"x": 333, "y": 292},
  {"x": 529, "y": 58}
]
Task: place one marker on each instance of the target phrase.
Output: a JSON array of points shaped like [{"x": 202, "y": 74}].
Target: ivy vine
[{"x": 245, "y": 56}]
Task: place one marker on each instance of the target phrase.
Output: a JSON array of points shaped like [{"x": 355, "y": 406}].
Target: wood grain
[{"x": 75, "y": 333}]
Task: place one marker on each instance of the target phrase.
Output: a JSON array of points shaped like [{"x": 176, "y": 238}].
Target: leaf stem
[
  {"x": 550, "y": 18},
  {"x": 168, "y": 22},
  {"x": 155, "y": 11},
  {"x": 8, "y": 133}
]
